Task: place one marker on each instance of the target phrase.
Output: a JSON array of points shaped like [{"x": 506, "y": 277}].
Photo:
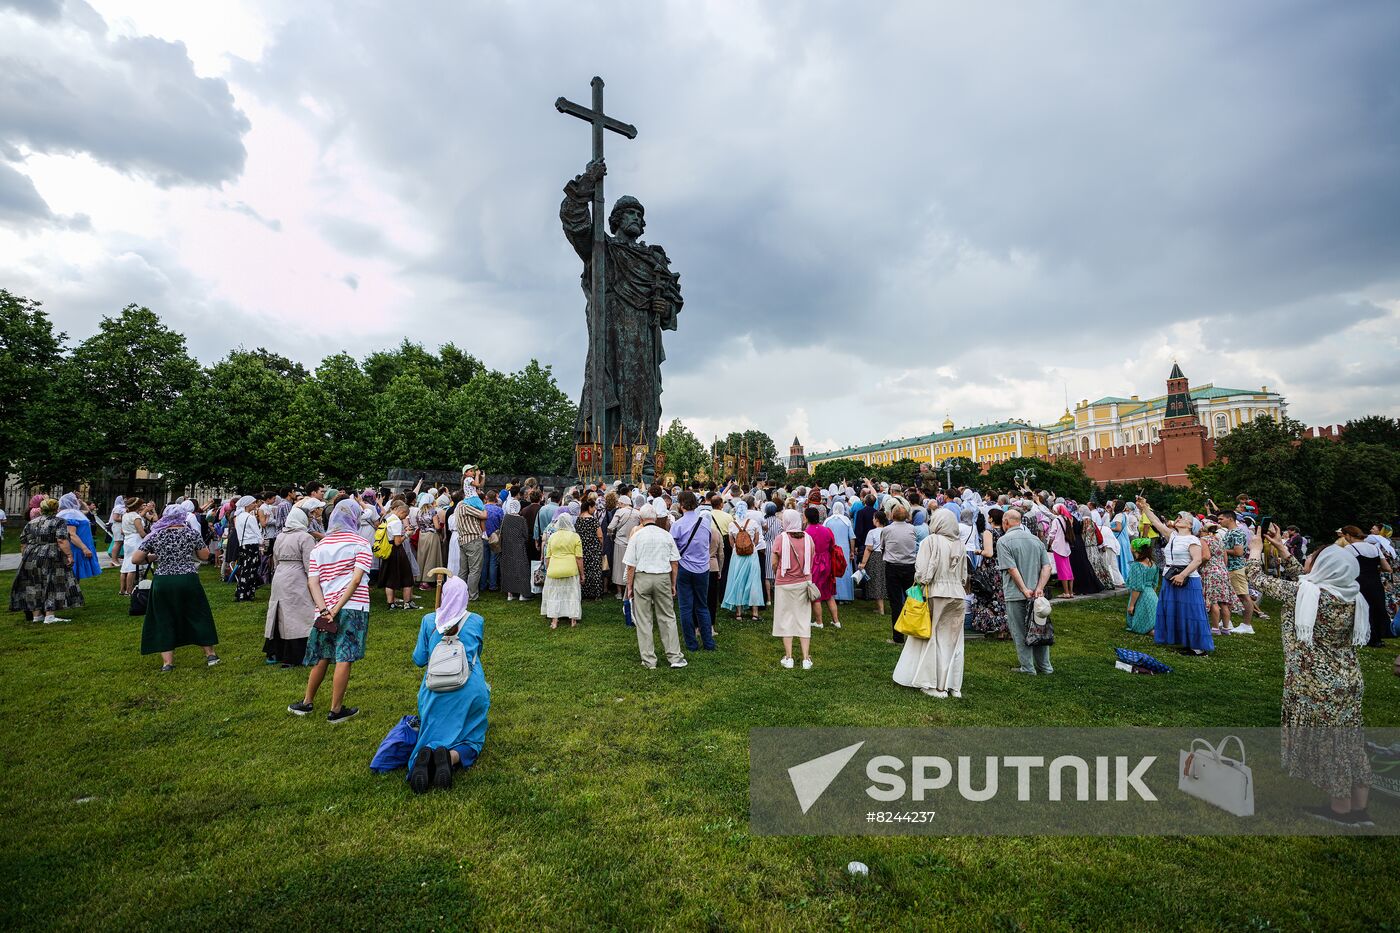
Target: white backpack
[{"x": 448, "y": 667}]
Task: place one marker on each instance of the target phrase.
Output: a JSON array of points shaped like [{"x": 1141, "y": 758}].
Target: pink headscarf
[
  {"x": 454, "y": 604},
  {"x": 792, "y": 523}
]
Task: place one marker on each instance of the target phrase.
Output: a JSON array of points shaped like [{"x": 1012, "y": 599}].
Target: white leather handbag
[{"x": 1207, "y": 774}]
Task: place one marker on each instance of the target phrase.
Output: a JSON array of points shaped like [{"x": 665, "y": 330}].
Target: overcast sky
[{"x": 881, "y": 213}]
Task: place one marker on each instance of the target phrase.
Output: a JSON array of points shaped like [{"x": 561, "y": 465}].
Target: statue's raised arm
[{"x": 576, "y": 210}]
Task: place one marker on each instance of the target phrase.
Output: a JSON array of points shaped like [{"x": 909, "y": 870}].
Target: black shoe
[
  {"x": 442, "y": 769},
  {"x": 420, "y": 773},
  {"x": 346, "y": 712},
  {"x": 1328, "y": 815},
  {"x": 299, "y": 708}
]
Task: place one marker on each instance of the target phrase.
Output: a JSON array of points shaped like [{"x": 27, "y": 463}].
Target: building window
[
  {"x": 1142, "y": 436},
  {"x": 1222, "y": 425}
]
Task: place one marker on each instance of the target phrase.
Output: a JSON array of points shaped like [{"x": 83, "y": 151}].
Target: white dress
[
  {"x": 936, "y": 663},
  {"x": 131, "y": 541}
]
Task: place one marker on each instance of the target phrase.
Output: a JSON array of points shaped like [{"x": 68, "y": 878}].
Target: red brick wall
[{"x": 1164, "y": 461}]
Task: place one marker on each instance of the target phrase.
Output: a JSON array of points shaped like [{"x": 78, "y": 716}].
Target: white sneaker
[
  {"x": 786, "y": 662},
  {"x": 836, "y": 625},
  {"x": 955, "y": 694},
  {"x": 1242, "y": 629},
  {"x": 816, "y": 625},
  {"x": 681, "y": 663},
  {"x": 806, "y": 664}
]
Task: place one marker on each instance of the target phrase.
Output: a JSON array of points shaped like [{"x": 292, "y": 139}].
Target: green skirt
[{"x": 177, "y": 614}]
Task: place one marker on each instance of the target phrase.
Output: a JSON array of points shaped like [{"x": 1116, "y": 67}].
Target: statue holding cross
[{"x": 632, "y": 297}]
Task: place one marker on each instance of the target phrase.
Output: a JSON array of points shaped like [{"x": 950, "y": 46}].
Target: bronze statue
[{"x": 637, "y": 298}]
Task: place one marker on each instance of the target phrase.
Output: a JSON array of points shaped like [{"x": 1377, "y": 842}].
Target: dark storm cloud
[
  {"x": 39, "y": 9},
  {"x": 814, "y": 168},
  {"x": 135, "y": 104},
  {"x": 20, "y": 202}
]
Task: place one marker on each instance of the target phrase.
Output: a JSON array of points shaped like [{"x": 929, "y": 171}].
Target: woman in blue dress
[
  {"x": 85, "y": 563},
  {"x": 1124, "y": 528},
  {"x": 842, "y": 530},
  {"x": 452, "y": 724}
]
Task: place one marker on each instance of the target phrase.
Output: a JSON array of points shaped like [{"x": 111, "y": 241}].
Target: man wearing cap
[{"x": 653, "y": 565}]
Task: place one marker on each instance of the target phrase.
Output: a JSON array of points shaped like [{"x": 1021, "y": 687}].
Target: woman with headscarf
[
  {"x": 590, "y": 533},
  {"x": 290, "y": 610},
  {"x": 989, "y": 598},
  {"x": 823, "y": 575},
  {"x": 1093, "y": 546},
  {"x": 370, "y": 517},
  {"x": 1109, "y": 549},
  {"x": 431, "y": 519},
  {"x": 563, "y": 557},
  {"x": 1057, "y": 541},
  {"x": 515, "y": 555},
  {"x": 1181, "y": 607},
  {"x": 1325, "y": 619},
  {"x": 934, "y": 665},
  {"x": 247, "y": 528},
  {"x": 44, "y": 583},
  {"x": 116, "y": 545},
  {"x": 85, "y": 562},
  {"x": 843, "y": 532},
  {"x": 919, "y": 520},
  {"x": 36, "y": 501},
  {"x": 177, "y": 612},
  {"x": 793, "y": 591},
  {"x": 338, "y": 577},
  {"x": 624, "y": 521},
  {"x": 745, "y": 585},
  {"x": 1124, "y": 526},
  {"x": 1086, "y": 580},
  {"x": 451, "y": 723}
]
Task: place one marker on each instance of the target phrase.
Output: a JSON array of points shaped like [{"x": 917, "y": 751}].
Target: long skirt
[
  {"x": 430, "y": 555},
  {"x": 1063, "y": 569},
  {"x": 875, "y": 583},
  {"x": 935, "y": 662},
  {"x": 562, "y": 598},
  {"x": 745, "y": 587},
  {"x": 288, "y": 652},
  {"x": 177, "y": 614},
  {"x": 1181, "y": 616},
  {"x": 396, "y": 572},
  {"x": 44, "y": 584},
  {"x": 792, "y": 610},
  {"x": 249, "y": 573}
]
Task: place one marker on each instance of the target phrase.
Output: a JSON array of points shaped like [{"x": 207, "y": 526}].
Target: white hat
[
  {"x": 1042, "y": 607},
  {"x": 647, "y": 513}
]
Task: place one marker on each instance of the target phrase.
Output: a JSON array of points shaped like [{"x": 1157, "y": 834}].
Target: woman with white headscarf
[
  {"x": 843, "y": 532},
  {"x": 452, "y": 723},
  {"x": 563, "y": 580},
  {"x": 431, "y": 519},
  {"x": 934, "y": 665},
  {"x": 793, "y": 591},
  {"x": 247, "y": 526},
  {"x": 515, "y": 552},
  {"x": 1325, "y": 619},
  {"x": 290, "y": 609},
  {"x": 744, "y": 587},
  {"x": 85, "y": 562}
]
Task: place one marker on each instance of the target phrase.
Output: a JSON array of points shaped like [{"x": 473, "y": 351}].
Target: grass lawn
[{"x": 607, "y": 795}]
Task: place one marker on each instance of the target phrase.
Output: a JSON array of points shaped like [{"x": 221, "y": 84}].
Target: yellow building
[
  {"x": 1113, "y": 421},
  {"x": 985, "y": 444}
]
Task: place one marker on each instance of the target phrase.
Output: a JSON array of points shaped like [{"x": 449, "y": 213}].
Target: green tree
[
  {"x": 119, "y": 389},
  {"x": 963, "y": 471},
  {"x": 30, "y": 355},
  {"x": 685, "y": 455},
  {"x": 516, "y": 424},
  {"x": 1062, "y": 477},
  {"x": 836, "y": 471},
  {"x": 402, "y": 429},
  {"x": 1373, "y": 429}
]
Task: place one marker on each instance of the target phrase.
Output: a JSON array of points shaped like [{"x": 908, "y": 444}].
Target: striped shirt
[{"x": 333, "y": 563}]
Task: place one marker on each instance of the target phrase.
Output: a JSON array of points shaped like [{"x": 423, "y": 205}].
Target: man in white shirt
[{"x": 653, "y": 561}]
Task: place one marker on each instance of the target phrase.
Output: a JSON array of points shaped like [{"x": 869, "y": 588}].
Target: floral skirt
[
  {"x": 249, "y": 573},
  {"x": 346, "y": 645}
]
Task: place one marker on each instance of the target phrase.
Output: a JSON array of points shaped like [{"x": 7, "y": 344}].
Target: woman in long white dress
[{"x": 934, "y": 665}]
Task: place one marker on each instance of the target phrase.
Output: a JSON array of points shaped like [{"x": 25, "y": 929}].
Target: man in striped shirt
[{"x": 470, "y": 517}]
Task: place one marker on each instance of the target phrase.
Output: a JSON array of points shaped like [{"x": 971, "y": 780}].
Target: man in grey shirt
[{"x": 1021, "y": 558}]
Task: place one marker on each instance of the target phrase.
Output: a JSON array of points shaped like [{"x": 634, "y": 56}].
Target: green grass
[{"x": 607, "y": 795}]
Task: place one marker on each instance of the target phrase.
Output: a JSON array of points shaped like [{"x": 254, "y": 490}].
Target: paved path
[{"x": 9, "y": 561}]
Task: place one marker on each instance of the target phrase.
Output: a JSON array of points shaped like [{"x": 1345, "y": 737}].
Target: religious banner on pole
[
  {"x": 661, "y": 466},
  {"x": 619, "y": 456},
  {"x": 639, "y": 460}
]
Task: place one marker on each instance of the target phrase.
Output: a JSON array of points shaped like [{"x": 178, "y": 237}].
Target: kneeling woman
[{"x": 452, "y": 723}]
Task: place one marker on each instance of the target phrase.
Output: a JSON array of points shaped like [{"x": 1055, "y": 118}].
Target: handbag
[
  {"x": 914, "y": 618},
  {"x": 982, "y": 587},
  {"x": 1040, "y": 632},
  {"x": 1169, "y": 572},
  {"x": 1207, "y": 774},
  {"x": 397, "y": 746},
  {"x": 326, "y": 623},
  {"x": 536, "y": 576},
  {"x": 141, "y": 596},
  {"x": 838, "y": 561},
  {"x": 493, "y": 541}
]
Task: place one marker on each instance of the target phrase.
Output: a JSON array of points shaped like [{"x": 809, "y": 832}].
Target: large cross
[{"x": 598, "y": 326}]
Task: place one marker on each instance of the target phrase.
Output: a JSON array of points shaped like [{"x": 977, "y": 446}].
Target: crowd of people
[{"x": 680, "y": 559}]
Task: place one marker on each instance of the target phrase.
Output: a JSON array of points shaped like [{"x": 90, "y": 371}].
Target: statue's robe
[{"x": 630, "y": 376}]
